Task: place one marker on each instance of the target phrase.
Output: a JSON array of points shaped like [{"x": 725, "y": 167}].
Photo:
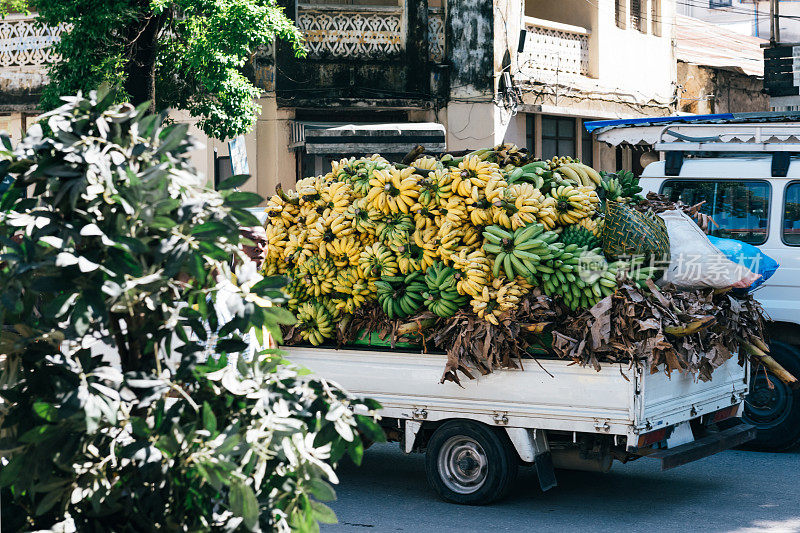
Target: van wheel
[
  {"x": 469, "y": 463},
  {"x": 775, "y": 410}
]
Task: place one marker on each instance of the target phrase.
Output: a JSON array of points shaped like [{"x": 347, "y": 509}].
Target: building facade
[
  {"x": 448, "y": 74},
  {"x": 748, "y": 17}
]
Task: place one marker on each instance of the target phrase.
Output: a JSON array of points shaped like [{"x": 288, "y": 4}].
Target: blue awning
[{"x": 773, "y": 116}]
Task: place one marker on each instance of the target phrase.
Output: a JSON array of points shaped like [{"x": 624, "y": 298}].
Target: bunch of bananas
[
  {"x": 579, "y": 174},
  {"x": 497, "y": 300},
  {"x": 474, "y": 271},
  {"x": 401, "y": 296},
  {"x": 621, "y": 186},
  {"x": 442, "y": 296},
  {"x": 574, "y": 203},
  {"x": 377, "y": 261},
  {"x": 580, "y": 235},
  {"x": 315, "y": 322},
  {"x": 509, "y": 154},
  {"x": 518, "y": 206},
  {"x": 472, "y": 172},
  {"x": 518, "y": 253},
  {"x": 393, "y": 190}
]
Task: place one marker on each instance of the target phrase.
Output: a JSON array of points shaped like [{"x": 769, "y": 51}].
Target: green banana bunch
[
  {"x": 442, "y": 296},
  {"x": 580, "y": 235},
  {"x": 518, "y": 253},
  {"x": 315, "y": 322},
  {"x": 401, "y": 296}
]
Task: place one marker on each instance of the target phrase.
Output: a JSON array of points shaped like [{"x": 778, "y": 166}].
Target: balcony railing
[
  {"x": 26, "y": 43},
  {"x": 351, "y": 31},
  {"x": 554, "y": 50}
]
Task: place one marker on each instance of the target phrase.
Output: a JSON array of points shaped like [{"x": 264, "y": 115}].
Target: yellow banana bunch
[
  {"x": 309, "y": 189},
  {"x": 496, "y": 300},
  {"x": 318, "y": 275},
  {"x": 574, "y": 203},
  {"x": 277, "y": 237},
  {"x": 495, "y": 188},
  {"x": 547, "y": 215},
  {"x": 474, "y": 269},
  {"x": 592, "y": 225},
  {"x": 471, "y": 172},
  {"x": 393, "y": 190},
  {"x": 362, "y": 216},
  {"x": 448, "y": 239},
  {"x": 518, "y": 207},
  {"x": 297, "y": 249},
  {"x": 424, "y": 218},
  {"x": 435, "y": 188},
  {"x": 426, "y": 162},
  {"x": 472, "y": 237},
  {"x": 338, "y": 167},
  {"x": 345, "y": 251},
  {"x": 454, "y": 211},
  {"x": 279, "y": 210},
  {"x": 377, "y": 261},
  {"x": 336, "y": 197}
]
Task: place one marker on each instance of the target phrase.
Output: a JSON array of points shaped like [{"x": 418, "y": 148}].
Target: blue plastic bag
[{"x": 747, "y": 255}]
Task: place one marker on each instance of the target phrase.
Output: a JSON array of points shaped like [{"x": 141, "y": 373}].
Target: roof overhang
[{"x": 375, "y": 138}]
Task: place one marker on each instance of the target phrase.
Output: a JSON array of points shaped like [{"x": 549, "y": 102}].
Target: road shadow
[{"x": 726, "y": 492}]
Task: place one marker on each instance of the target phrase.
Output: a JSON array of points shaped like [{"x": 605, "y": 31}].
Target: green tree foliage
[
  {"x": 183, "y": 54},
  {"x": 111, "y": 274}
]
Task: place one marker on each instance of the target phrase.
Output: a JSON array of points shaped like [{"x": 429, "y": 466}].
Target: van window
[
  {"x": 740, "y": 208},
  {"x": 791, "y": 215}
]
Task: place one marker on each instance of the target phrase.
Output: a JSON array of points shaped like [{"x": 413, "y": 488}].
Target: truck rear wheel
[
  {"x": 469, "y": 463},
  {"x": 774, "y": 410}
]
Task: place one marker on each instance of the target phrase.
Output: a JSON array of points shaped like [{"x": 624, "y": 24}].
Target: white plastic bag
[{"x": 695, "y": 262}]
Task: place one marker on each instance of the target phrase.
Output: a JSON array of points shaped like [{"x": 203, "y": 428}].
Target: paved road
[{"x": 734, "y": 491}]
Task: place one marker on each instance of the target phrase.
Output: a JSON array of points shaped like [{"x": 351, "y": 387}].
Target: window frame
[
  {"x": 783, "y": 214},
  {"x": 752, "y": 180},
  {"x": 718, "y": 4},
  {"x": 574, "y": 129}
]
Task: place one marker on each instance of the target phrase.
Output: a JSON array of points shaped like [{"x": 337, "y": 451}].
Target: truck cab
[{"x": 748, "y": 175}]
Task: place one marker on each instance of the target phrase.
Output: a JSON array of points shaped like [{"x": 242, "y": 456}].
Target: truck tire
[
  {"x": 775, "y": 412},
  {"x": 469, "y": 463}
]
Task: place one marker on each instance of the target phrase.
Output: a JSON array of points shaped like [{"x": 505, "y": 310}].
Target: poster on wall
[{"x": 238, "y": 151}]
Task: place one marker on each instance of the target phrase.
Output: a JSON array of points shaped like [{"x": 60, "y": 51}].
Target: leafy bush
[{"x": 111, "y": 272}]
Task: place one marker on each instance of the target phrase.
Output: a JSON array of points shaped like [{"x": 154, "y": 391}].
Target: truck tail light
[{"x": 651, "y": 438}]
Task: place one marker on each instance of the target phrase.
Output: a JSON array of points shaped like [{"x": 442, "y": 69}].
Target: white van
[{"x": 748, "y": 175}]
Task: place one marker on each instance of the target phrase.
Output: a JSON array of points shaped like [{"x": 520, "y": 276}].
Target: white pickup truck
[
  {"x": 552, "y": 414},
  {"x": 748, "y": 175}
]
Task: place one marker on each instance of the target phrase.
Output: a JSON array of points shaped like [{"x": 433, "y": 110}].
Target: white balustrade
[
  {"x": 351, "y": 32},
  {"x": 24, "y": 42},
  {"x": 436, "y": 44},
  {"x": 554, "y": 51}
]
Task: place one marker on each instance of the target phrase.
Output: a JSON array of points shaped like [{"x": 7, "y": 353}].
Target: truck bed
[{"x": 548, "y": 394}]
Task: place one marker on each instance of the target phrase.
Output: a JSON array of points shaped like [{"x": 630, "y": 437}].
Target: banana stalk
[
  {"x": 283, "y": 196},
  {"x": 692, "y": 327},
  {"x": 760, "y": 356},
  {"x": 415, "y": 326}
]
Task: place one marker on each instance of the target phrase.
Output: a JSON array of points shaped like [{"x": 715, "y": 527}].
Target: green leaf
[
  {"x": 323, "y": 513},
  {"x": 321, "y": 490},
  {"x": 48, "y": 502},
  {"x": 210, "y": 229},
  {"x": 243, "y": 199},
  {"x": 356, "y": 451},
  {"x": 243, "y": 503},
  {"x": 234, "y": 181},
  {"x": 270, "y": 282},
  {"x": 46, "y": 411},
  {"x": 245, "y": 218},
  {"x": 209, "y": 420}
]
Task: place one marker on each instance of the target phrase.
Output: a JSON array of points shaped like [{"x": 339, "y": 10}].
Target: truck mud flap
[{"x": 704, "y": 446}]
